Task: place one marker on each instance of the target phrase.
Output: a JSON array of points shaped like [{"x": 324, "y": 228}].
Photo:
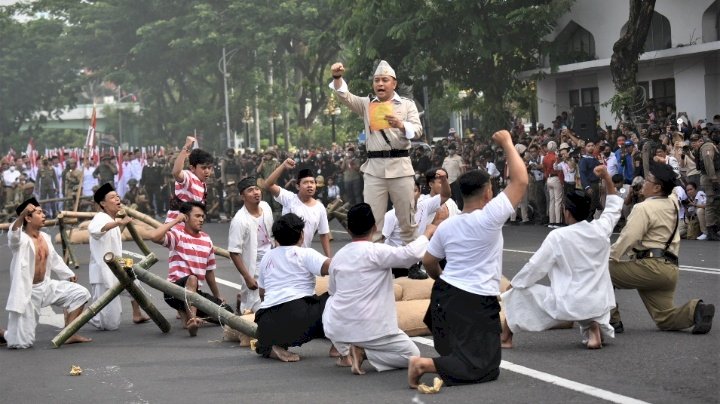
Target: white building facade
[{"x": 680, "y": 65}]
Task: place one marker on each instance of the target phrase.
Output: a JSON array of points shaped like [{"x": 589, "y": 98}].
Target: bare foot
[
  {"x": 334, "y": 353},
  {"x": 283, "y": 354},
  {"x": 344, "y": 361},
  {"x": 77, "y": 339},
  {"x": 140, "y": 319},
  {"x": 357, "y": 356},
  {"x": 505, "y": 336},
  {"x": 414, "y": 371},
  {"x": 192, "y": 326},
  {"x": 595, "y": 339}
]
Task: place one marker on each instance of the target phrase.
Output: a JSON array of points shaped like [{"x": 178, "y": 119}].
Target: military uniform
[
  {"x": 152, "y": 181},
  {"x": 72, "y": 178},
  {"x": 653, "y": 269},
  {"x": 48, "y": 184},
  {"x": 388, "y": 170},
  {"x": 710, "y": 182},
  {"x": 230, "y": 174},
  {"x": 105, "y": 172}
]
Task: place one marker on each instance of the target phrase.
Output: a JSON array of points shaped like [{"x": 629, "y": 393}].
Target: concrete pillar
[
  {"x": 547, "y": 101},
  {"x": 606, "y": 90}
]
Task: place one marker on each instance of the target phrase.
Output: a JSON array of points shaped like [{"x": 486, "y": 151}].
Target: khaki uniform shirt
[
  {"x": 406, "y": 110},
  {"x": 650, "y": 225}
]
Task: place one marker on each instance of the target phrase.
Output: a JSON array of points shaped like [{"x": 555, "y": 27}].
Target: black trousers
[
  {"x": 179, "y": 304},
  {"x": 466, "y": 331},
  {"x": 291, "y": 323}
]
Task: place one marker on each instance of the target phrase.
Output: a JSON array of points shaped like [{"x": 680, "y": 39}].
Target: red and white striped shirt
[
  {"x": 190, "y": 189},
  {"x": 189, "y": 255}
]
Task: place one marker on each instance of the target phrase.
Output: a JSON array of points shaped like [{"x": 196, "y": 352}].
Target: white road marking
[
  {"x": 556, "y": 380},
  {"x": 688, "y": 268}
]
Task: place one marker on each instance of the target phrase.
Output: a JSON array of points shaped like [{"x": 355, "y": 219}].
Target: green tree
[{"x": 478, "y": 45}]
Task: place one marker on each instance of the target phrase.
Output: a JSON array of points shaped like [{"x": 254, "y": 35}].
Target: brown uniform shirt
[{"x": 650, "y": 225}]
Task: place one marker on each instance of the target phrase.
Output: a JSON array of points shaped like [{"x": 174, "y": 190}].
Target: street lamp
[
  {"x": 222, "y": 66},
  {"x": 247, "y": 119},
  {"x": 274, "y": 115},
  {"x": 332, "y": 110}
]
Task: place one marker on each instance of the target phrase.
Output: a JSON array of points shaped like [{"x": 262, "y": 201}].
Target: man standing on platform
[{"x": 391, "y": 122}]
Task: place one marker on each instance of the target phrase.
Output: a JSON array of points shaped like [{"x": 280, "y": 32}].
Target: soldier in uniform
[
  {"x": 137, "y": 196},
  {"x": 105, "y": 172},
  {"x": 49, "y": 186},
  {"x": 152, "y": 180},
  {"x": 388, "y": 170},
  {"x": 651, "y": 238},
  {"x": 72, "y": 179},
  {"x": 230, "y": 176},
  {"x": 707, "y": 159}
]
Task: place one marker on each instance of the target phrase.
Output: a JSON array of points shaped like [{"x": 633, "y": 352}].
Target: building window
[
  {"x": 663, "y": 91},
  {"x": 658, "y": 36},
  {"x": 585, "y": 97},
  {"x": 574, "y": 44}
]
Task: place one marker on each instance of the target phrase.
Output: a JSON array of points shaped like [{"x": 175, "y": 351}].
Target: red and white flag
[
  {"x": 30, "y": 153},
  {"x": 90, "y": 139}
]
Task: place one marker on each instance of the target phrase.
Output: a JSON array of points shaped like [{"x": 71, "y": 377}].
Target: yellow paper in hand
[
  {"x": 378, "y": 111},
  {"x": 435, "y": 388}
]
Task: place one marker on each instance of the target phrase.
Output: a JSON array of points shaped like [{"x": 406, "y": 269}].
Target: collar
[{"x": 395, "y": 98}]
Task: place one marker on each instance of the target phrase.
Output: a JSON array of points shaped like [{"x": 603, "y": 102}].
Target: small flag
[{"x": 90, "y": 139}]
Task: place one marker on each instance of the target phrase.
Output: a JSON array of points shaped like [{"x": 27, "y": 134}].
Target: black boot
[{"x": 712, "y": 233}]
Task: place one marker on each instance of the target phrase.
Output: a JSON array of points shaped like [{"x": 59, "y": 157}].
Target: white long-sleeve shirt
[{"x": 361, "y": 306}]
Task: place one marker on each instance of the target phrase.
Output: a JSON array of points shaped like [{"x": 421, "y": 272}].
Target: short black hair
[
  {"x": 187, "y": 207},
  {"x": 617, "y": 178},
  {"x": 473, "y": 182},
  {"x": 287, "y": 229},
  {"x": 693, "y": 183},
  {"x": 199, "y": 157},
  {"x": 430, "y": 174}
]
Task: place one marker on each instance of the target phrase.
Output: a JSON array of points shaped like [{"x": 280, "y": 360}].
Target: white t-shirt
[
  {"x": 391, "y": 229},
  {"x": 315, "y": 216},
  {"x": 288, "y": 273},
  {"x": 700, "y": 199},
  {"x": 102, "y": 242},
  {"x": 472, "y": 244},
  {"x": 426, "y": 209},
  {"x": 88, "y": 181},
  {"x": 492, "y": 169},
  {"x": 681, "y": 196},
  {"x": 263, "y": 237}
]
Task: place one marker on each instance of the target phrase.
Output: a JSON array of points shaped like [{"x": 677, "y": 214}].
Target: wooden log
[
  {"x": 89, "y": 312},
  {"x": 65, "y": 214},
  {"x": 67, "y": 250},
  {"x": 63, "y": 199},
  {"x": 138, "y": 240},
  {"x": 48, "y": 223},
  {"x": 137, "y": 294},
  {"x": 233, "y": 321}
]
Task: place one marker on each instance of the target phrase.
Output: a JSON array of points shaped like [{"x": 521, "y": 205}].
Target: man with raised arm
[{"x": 464, "y": 309}]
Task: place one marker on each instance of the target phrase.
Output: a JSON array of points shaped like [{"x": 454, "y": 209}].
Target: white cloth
[
  {"x": 22, "y": 268},
  {"x": 612, "y": 164},
  {"x": 491, "y": 168},
  {"x": 361, "y": 306},
  {"x": 88, "y": 181},
  {"x": 102, "y": 243},
  {"x": 391, "y": 229},
  {"x": 10, "y": 176},
  {"x": 315, "y": 216},
  {"x": 288, "y": 273},
  {"x": 20, "y": 333},
  {"x": 575, "y": 259},
  {"x": 385, "y": 353},
  {"x": 427, "y": 207},
  {"x": 473, "y": 243},
  {"x": 243, "y": 239},
  {"x": 109, "y": 317},
  {"x": 681, "y": 196},
  {"x": 453, "y": 165},
  {"x": 136, "y": 167}
]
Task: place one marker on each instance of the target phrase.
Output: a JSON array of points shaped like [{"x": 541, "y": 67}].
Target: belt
[
  {"x": 656, "y": 253},
  {"x": 552, "y": 175},
  {"x": 388, "y": 153}
]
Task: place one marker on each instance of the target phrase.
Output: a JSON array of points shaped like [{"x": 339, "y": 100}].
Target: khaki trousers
[
  {"x": 655, "y": 280},
  {"x": 401, "y": 192}
]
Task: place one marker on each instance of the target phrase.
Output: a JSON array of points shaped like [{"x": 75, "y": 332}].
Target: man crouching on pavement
[
  {"x": 290, "y": 313},
  {"x": 30, "y": 285},
  {"x": 191, "y": 262}
]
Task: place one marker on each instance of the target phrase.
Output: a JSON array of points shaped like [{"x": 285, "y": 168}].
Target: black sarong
[
  {"x": 291, "y": 323},
  {"x": 466, "y": 332}
]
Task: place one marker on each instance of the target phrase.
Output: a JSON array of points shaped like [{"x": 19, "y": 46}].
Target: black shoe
[
  {"x": 416, "y": 272},
  {"x": 619, "y": 329},
  {"x": 704, "y": 314}
]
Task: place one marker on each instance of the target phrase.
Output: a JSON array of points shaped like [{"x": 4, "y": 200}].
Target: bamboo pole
[
  {"x": 135, "y": 291},
  {"x": 62, "y": 199},
  {"x": 138, "y": 240},
  {"x": 87, "y": 314},
  {"x": 48, "y": 223},
  {"x": 233, "y": 321},
  {"x": 154, "y": 223},
  {"x": 67, "y": 214},
  {"x": 67, "y": 250},
  {"x": 92, "y": 310}
]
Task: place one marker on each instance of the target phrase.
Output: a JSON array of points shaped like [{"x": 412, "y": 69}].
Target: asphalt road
[{"x": 139, "y": 364}]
